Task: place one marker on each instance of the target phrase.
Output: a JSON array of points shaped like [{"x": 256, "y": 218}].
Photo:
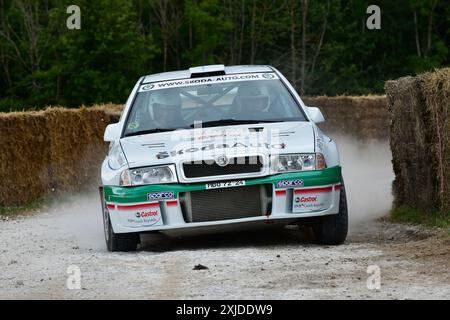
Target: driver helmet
[
  {"x": 165, "y": 106},
  {"x": 252, "y": 98}
]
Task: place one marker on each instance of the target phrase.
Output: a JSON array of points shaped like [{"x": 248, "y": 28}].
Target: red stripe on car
[
  {"x": 337, "y": 187},
  {"x": 139, "y": 206},
  {"x": 313, "y": 190},
  {"x": 172, "y": 203},
  {"x": 111, "y": 207},
  {"x": 280, "y": 192}
]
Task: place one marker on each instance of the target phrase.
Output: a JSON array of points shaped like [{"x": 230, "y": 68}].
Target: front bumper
[{"x": 158, "y": 208}]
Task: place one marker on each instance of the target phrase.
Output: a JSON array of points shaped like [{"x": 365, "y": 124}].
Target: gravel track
[{"x": 414, "y": 263}]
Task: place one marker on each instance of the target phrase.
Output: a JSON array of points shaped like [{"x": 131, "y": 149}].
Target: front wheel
[
  {"x": 117, "y": 241},
  {"x": 332, "y": 229}
]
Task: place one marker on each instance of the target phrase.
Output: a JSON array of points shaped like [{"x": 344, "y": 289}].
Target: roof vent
[
  {"x": 256, "y": 129},
  {"x": 207, "y": 71}
]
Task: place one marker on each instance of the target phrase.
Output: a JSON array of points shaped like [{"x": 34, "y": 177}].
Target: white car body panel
[{"x": 179, "y": 146}]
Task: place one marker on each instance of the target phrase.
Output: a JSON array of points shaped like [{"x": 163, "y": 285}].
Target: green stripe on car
[{"x": 139, "y": 194}]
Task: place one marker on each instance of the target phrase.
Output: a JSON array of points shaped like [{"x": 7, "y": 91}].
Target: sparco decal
[
  {"x": 290, "y": 183},
  {"x": 209, "y": 147},
  {"x": 160, "y": 195}
]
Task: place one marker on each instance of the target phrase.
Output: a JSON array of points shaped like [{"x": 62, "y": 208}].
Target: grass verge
[
  {"x": 25, "y": 209},
  {"x": 39, "y": 205},
  {"x": 439, "y": 220},
  {"x": 20, "y": 209}
]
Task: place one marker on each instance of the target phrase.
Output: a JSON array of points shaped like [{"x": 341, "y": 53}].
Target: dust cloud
[
  {"x": 77, "y": 218},
  {"x": 367, "y": 172},
  {"x": 368, "y": 175}
]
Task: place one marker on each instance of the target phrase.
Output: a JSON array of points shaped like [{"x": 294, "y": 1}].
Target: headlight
[
  {"x": 148, "y": 175},
  {"x": 297, "y": 162},
  {"x": 116, "y": 158}
]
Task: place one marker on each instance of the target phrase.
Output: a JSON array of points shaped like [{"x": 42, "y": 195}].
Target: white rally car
[{"x": 219, "y": 148}]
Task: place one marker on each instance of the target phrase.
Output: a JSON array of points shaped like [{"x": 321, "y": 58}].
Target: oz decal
[
  {"x": 147, "y": 87},
  {"x": 268, "y": 76}
]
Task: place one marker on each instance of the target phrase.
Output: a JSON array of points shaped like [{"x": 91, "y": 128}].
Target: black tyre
[
  {"x": 332, "y": 229},
  {"x": 117, "y": 241}
]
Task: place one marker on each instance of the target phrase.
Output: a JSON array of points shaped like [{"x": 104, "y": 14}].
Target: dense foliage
[{"x": 323, "y": 47}]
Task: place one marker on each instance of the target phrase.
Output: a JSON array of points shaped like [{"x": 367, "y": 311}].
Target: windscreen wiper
[
  {"x": 137, "y": 133},
  {"x": 226, "y": 122}
]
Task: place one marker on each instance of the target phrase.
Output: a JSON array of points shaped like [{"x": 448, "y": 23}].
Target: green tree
[
  {"x": 102, "y": 61},
  {"x": 323, "y": 47},
  {"x": 209, "y": 29}
]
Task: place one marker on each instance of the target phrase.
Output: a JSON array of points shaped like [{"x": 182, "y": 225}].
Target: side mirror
[
  {"x": 112, "y": 132},
  {"x": 315, "y": 114}
]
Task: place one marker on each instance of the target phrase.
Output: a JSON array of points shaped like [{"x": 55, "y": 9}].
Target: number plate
[{"x": 225, "y": 184}]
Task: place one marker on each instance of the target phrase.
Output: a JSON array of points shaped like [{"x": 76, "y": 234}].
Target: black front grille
[
  {"x": 227, "y": 203},
  {"x": 237, "y": 165}
]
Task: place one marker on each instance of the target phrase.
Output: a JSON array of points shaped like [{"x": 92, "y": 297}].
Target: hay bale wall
[
  {"x": 24, "y": 157},
  {"x": 420, "y": 140},
  {"x": 76, "y": 147},
  {"x": 63, "y": 148},
  {"x": 436, "y": 89},
  {"x": 364, "y": 117},
  {"x": 55, "y": 150}
]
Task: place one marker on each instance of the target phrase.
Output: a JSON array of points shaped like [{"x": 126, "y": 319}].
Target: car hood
[{"x": 208, "y": 143}]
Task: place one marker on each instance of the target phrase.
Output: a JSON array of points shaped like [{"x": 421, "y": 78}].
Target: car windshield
[{"x": 213, "y": 103}]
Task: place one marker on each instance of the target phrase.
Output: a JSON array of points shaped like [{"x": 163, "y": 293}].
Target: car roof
[{"x": 184, "y": 74}]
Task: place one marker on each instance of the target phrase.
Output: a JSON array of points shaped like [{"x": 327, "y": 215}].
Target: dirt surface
[
  {"x": 37, "y": 250},
  {"x": 35, "y": 254}
]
